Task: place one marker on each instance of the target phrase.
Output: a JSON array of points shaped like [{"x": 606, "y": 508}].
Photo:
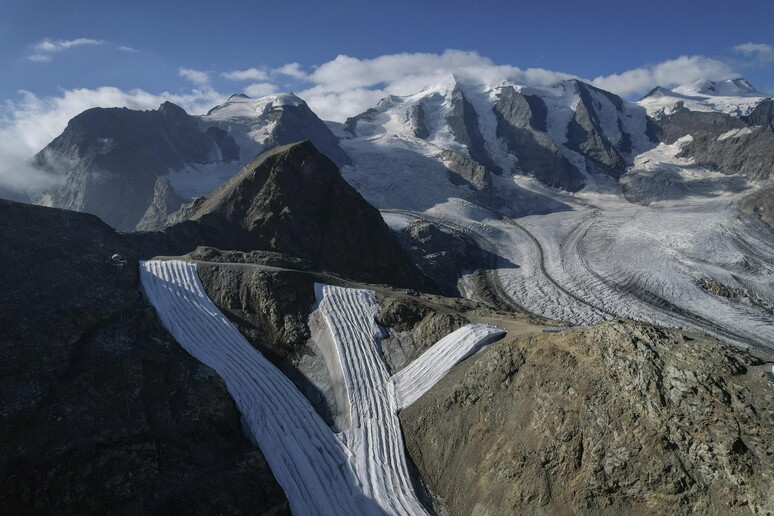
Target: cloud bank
[{"x": 683, "y": 70}]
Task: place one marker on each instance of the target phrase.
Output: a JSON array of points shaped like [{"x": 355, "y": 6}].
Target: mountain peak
[{"x": 738, "y": 87}]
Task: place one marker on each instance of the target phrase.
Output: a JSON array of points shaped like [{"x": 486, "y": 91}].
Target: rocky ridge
[{"x": 616, "y": 418}]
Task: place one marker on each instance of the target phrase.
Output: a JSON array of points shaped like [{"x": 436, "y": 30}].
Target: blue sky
[
  {"x": 59, "y": 58},
  {"x": 587, "y": 39}
]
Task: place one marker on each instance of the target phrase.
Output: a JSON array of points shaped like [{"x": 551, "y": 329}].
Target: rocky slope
[
  {"x": 100, "y": 410},
  {"x": 617, "y": 418},
  {"x": 293, "y": 200},
  {"x": 724, "y": 143}
]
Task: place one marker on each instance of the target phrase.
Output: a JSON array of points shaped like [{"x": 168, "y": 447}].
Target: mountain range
[{"x": 542, "y": 299}]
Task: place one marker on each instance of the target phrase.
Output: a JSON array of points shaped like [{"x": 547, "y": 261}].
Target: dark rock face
[
  {"x": 619, "y": 418},
  {"x": 698, "y": 124},
  {"x": 585, "y": 135},
  {"x": 751, "y": 154},
  {"x": 441, "y": 255},
  {"x": 462, "y": 171},
  {"x": 412, "y": 329},
  {"x": 521, "y": 121},
  {"x": 763, "y": 115},
  {"x": 111, "y": 158},
  {"x": 101, "y": 412},
  {"x": 463, "y": 123},
  {"x": 418, "y": 121},
  {"x": 293, "y": 200}
]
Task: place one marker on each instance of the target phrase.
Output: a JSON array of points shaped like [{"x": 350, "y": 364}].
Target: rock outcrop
[
  {"x": 724, "y": 143},
  {"x": 586, "y": 136},
  {"x": 463, "y": 124},
  {"x": 617, "y": 418},
  {"x": 100, "y": 410},
  {"x": 521, "y": 123}
]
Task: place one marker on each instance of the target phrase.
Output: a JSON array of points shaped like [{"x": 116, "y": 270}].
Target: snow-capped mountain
[
  {"x": 133, "y": 168},
  {"x": 734, "y": 96},
  {"x": 561, "y": 135}
]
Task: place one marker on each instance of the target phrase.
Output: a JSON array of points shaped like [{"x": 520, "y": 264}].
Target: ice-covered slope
[
  {"x": 359, "y": 471},
  {"x": 562, "y": 135},
  {"x": 734, "y": 97},
  {"x": 644, "y": 248}
]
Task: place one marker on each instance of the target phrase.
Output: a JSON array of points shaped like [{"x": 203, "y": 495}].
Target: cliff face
[{"x": 617, "y": 418}]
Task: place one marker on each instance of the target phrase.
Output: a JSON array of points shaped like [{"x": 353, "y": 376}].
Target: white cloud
[
  {"x": 761, "y": 52},
  {"x": 683, "y": 70},
  {"x": 291, "y": 70},
  {"x": 260, "y": 89},
  {"x": 251, "y": 74},
  {"x": 39, "y": 58},
  {"x": 346, "y": 85},
  {"x": 197, "y": 77},
  {"x": 31, "y": 122},
  {"x": 44, "y": 48},
  {"x": 127, "y": 49}
]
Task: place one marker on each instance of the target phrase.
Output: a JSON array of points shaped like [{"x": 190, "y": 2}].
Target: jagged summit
[
  {"x": 293, "y": 200},
  {"x": 739, "y": 87},
  {"x": 733, "y": 96}
]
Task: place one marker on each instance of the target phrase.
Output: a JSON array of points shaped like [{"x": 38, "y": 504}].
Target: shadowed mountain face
[
  {"x": 101, "y": 412},
  {"x": 110, "y": 159},
  {"x": 293, "y": 200}
]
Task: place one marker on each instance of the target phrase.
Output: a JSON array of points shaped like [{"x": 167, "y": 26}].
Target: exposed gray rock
[
  {"x": 761, "y": 204},
  {"x": 618, "y": 418},
  {"x": 412, "y": 329},
  {"x": 463, "y": 171},
  {"x": 762, "y": 115},
  {"x": 463, "y": 123},
  {"x": 521, "y": 121},
  {"x": 585, "y": 135},
  {"x": 751, "y": 155},
  {"x": 101, "y": 412},
  {"x": 296, "y": 123},
  {"x": 165, "y": 202},
  {"x": 441, "y": 255},
  {"x": 418, "y": 121}
]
